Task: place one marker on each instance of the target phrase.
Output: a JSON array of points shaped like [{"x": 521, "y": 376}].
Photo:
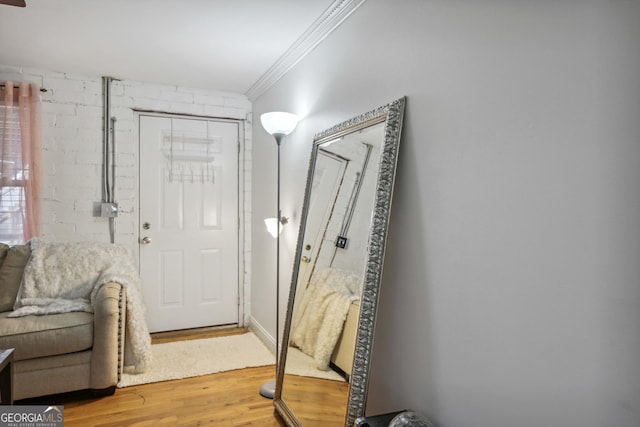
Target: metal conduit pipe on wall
[{"x": 109, "y": 207}]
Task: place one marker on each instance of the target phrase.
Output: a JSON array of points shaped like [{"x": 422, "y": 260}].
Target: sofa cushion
[
  {"x": 53, "y": 334},
  {"x": 11, "y": 271},
  {"x": 4, "y": 248}
]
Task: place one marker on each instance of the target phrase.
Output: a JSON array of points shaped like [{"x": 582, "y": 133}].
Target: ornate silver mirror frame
[{"x": 390, "y": 118}]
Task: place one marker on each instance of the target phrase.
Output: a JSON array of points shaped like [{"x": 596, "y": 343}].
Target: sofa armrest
[{"x": 108, "y": 336}]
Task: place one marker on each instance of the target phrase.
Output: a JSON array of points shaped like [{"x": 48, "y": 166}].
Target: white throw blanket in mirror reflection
[
  {"x": 65, "y": 277},
  {"x": 320, "y": 312}
]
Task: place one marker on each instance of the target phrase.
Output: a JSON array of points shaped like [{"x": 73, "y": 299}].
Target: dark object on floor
[
  {"x": 410, "y": 419},
  {"x": 381, "y": 420}
]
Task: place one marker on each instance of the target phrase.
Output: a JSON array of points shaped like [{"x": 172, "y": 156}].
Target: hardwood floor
[
  {"x": 316, "y": 402},
  {"x": 194, "y": 334},
  {"x": 229, "y": 398},
  {"x": 226, "y": 399}
]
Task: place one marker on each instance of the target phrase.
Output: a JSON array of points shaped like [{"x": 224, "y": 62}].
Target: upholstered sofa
[{"x": 58, "y": 353}]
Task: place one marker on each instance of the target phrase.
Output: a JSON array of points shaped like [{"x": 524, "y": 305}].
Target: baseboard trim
[{"x": 262, "y": 334}]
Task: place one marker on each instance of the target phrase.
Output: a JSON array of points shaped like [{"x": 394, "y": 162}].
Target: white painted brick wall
[{"x": 72, "y": 144}]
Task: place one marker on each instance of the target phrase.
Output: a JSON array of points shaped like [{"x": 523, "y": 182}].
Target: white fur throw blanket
[
  {"x": 65, "y": 277},
  {"x": 321, "y": 312}
]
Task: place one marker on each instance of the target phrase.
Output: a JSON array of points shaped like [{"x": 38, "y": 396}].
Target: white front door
[{"x": 189, "y": 221}]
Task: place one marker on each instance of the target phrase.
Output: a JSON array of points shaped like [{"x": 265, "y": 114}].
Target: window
[{"x": 19, "y": 159}]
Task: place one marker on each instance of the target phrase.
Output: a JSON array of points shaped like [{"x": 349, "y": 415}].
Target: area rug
[
  {"x": 192, "y": 358},
  {"x": 300, "y": 364}
]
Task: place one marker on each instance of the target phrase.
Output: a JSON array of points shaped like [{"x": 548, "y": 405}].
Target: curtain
[{"x": 20, "y": 160}]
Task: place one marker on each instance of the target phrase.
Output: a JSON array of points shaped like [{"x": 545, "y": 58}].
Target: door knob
[
  {"x": 306, "y": 259},
  {"x": 145, "y": 240}
]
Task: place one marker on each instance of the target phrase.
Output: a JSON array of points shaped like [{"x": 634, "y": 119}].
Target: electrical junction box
[{"x": 109, "y": 210}]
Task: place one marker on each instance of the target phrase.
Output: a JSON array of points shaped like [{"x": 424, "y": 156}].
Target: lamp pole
[
  {"x": 278, "y": 137},
  {"x": 268, "y": 389},
  {"x": 278, "y": 125}
]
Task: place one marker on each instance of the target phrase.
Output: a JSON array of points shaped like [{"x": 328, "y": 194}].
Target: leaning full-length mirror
[{"x": 326, "y": 346}]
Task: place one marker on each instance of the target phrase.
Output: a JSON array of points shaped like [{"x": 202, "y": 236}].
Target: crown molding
[{"x": 318, "y": 31}]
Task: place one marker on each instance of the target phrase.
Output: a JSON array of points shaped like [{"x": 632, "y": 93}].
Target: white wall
[
  {"x": 511, "y": 292},
  {"x": 72, "y": 145}
]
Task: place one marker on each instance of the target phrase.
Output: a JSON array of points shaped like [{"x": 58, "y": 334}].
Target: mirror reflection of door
[
  {"x": 326, "y": 306},
  {"x": 189, "y": 221},
  {"x": 343, "y": 245},
  {"x": 327, "y": 179}
]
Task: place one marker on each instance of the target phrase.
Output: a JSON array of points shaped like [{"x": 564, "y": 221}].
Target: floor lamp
[{"x": 279, "y": 125}]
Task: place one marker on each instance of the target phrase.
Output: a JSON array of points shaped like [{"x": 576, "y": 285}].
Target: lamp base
[{"x": 268, "y": 389}]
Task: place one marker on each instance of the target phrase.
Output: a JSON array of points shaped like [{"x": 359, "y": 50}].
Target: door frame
[{"x": 244, "y": 200}]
